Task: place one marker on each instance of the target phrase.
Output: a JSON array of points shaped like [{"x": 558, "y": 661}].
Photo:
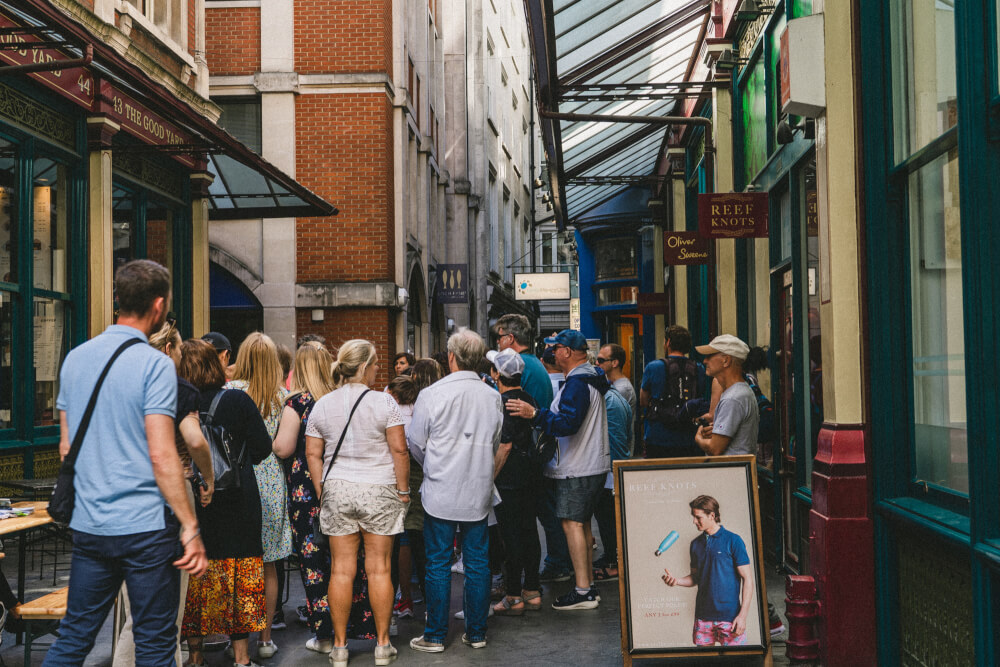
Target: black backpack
[
  {"x": 670, "y": 409},
  {"x": 227, "y": 456},
  {"x": 767, "y": 427}
]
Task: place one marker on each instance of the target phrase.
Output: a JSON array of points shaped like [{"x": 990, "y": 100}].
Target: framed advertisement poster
[{"x": 691, "y": 558}]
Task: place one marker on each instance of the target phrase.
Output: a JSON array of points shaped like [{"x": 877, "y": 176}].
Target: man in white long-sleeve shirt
[{"x": 454, "y": 434}]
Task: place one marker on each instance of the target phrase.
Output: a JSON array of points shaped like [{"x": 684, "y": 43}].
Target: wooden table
[{"x": 19, "y": 525}]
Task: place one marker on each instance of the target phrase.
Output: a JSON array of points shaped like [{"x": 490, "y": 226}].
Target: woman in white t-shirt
[{"x": 364, "y": 488}]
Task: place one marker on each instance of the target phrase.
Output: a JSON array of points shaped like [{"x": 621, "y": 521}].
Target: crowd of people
[{"x": 374, "y": 488}]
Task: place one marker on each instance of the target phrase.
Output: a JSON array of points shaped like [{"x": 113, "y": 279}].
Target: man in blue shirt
[
  {"x": 720, "y": 568},
  {"x": 128, "y": 479},
  {"x": 662, "y": 440}
]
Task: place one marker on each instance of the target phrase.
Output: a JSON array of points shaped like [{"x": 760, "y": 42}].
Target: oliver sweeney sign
[
  {"x": 732, "y": 215},
  {"x": 452, "y": 283},
  {"x": 685, "y": 248}
]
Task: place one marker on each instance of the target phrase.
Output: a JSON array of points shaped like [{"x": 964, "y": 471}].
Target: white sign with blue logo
[{"x": 541, "y": 286}]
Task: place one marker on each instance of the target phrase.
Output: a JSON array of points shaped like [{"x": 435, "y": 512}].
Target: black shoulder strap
[
  {"x": 81, "y": 430},
  {"x": 344, "y": 434},
  {"x": 210, "y": 416}
]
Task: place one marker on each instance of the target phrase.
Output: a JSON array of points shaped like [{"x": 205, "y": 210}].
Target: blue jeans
[
  {"x": 556, "y": 548},
  {"x": 99, "y": 566},
  {"x": 439, "y": 534}
]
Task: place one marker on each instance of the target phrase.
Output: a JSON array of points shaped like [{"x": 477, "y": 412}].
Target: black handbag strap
[
  {"x": 210, "y": 415},
  {"x": 81, "y": 430},
  {"x": 344, "y": 434}
]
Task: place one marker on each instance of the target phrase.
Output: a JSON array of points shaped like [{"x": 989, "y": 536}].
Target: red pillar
[{"x": 842, "y": 554}]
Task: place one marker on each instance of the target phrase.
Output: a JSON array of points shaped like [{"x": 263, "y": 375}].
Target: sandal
[
  {"x": 532, "y": 602},
  {"x": 602, "y": 574},
  {"x": 506, "y": 607}
]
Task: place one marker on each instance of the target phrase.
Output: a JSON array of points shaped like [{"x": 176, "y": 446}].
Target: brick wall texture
[
  {"x": 232, "y": 40},
  {"x": 343, "y": 36},
  {"x": 377, "y": 325},
  {"x": 344, "y": 153}
]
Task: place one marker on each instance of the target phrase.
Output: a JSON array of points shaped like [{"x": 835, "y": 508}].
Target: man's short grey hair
[
  {"x": 517, "y": 326},
  {"x": 468, "y": 348}
]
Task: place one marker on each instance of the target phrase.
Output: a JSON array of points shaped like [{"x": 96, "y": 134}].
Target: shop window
[
  {"x": 8, "y": 213},
  {"x": 618, "y": 296},
  {"x": 615, "y": 259},
  {"x": 160, "y": 234},
  {"x": 6, "y": 359},
  {"x": 939, "y": 401},
  {"x": 753, "y": 108},
  {"x": 51, "y": 228},
  {"x": 814, "y": 390},
  {"x": 923, "y": 73},
  {"x": 124, "y": 226},
  {"x": 49, "y": 320}
]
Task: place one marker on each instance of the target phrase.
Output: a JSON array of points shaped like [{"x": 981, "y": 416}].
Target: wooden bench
[{"x": 41, "y": 617}]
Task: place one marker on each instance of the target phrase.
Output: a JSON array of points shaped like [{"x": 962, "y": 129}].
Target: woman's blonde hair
[
  {"x": 257, "y": 364},
  {"x": 312, "y": 370},
  {"x": 167, "y": 335},
  {"x": 353, "y": 357}
]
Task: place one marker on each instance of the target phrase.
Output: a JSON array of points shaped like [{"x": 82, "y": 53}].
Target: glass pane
[
  {"x": 923, "y": 73},
  {"x": 615, "y": 259},
  {"x": 50, "y": 326},
  {"x": 8, "y": 212},
  {"x": 160, "y": 234},
  {"x": 938, "y": 331},
  {"x": 754, "y": 112},
  {"x": 124, "y": 226},
  {"x": 810, "y": 214},
  {"x": 241, "y": 118},
  {"x": 778, "y": 27},
  {"x": 49, "y": 217},
  {"x": 617, "y": 296},
  {"x": 6, "y": 359}
]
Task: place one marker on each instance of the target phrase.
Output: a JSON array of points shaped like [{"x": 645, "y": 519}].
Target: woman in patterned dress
[
  {"x": 258, "y": 373},
  {"x": 229, "y": 598},
  {"x": 311, "y": 381}
]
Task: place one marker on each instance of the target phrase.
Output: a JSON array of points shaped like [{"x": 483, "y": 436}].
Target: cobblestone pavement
[{"x": 547, "y": 637}]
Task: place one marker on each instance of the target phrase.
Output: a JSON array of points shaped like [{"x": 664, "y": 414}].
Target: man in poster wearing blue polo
[{"x": 720, "y": 568}]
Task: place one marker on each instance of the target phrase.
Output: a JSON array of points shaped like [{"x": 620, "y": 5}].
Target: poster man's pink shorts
[{"x": 710, "y": 633}]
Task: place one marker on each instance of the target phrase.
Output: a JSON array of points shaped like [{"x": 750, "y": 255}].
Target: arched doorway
[
  {"x": 234, "y": 311},
  {"x": 416, "y": 313}
]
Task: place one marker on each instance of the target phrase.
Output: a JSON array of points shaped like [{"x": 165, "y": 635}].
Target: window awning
[
  {"x": 245, "y": 184},
  {"x": 626, "y": 58}
]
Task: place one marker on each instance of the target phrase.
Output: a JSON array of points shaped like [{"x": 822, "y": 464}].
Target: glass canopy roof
[{"x": 624, "y": 58}]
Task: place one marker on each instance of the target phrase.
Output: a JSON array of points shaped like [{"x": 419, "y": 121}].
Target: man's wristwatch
[{"x": 534, "y": 414}]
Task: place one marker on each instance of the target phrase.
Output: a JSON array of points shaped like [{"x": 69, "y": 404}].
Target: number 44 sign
[{"x": 76, "y": 83}]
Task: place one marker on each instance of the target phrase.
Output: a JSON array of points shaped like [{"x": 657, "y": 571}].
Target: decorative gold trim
[
  {"x": 36, "y": 118},
  {"x": 149, "y": 173}
]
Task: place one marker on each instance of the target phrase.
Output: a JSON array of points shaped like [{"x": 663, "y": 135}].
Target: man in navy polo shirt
[{"x": 720, "y": 568}]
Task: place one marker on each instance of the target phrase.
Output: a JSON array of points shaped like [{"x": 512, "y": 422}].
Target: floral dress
[
  {"x": 277, "y": 532},
  {"x": 313, "y": 550}
]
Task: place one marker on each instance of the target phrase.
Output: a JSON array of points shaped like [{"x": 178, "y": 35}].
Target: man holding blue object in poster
[{"x": 720, "y": 568}]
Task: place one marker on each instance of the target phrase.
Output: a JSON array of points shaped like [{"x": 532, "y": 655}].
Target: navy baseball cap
[
  {"x": 570, "y": 338},
  {"x": 218, "y": 341}
]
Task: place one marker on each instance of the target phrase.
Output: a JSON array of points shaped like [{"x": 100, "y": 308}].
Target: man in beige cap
[{"x": 734, "y": 430}]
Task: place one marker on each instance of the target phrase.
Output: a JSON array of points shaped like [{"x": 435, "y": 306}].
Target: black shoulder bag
[
  {"x": 316, "y": 527},
  {"x": 64, "y": 495}
]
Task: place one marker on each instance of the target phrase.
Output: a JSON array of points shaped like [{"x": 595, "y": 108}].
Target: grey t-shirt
[
  {"x": 737, "y": 417},
  {"x": 626, "y": 389}
]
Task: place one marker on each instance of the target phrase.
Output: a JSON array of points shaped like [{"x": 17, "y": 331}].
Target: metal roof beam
[{"x": 637, "y": 42}]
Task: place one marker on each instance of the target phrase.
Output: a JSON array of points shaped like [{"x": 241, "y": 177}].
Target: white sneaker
[
  {"x": 319, "y": 645},
  {"x": 460, "y": 615},
  {"x": 266, "y": 649},
  {"x": 458, "y": 567}
]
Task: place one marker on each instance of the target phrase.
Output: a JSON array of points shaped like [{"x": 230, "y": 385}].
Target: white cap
[
  {"x": 507, "y": 362},
  {"x": 726, "y": 344}
]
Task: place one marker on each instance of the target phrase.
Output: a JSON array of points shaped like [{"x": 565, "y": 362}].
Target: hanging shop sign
[
  {"x": 812, "y": 213},
  {"x": 141, "y": 122},
  {"x": 574, "y": 314},
  {"x": 732, "y": 215},
  {"x": 452, "y": 283},
  {"x": 76, "y": 83},
  {"x": 653, "y": 303},
  {"x": 681, "y": 248},
  {"x": 541, "y": 286}
]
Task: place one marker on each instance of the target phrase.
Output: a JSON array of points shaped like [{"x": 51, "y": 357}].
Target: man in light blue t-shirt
[{"x": 127, "y": 474}]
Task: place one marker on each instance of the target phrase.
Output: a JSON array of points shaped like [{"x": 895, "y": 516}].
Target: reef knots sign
[
  {"x": 732, "y": 215},
  {"x": 686, "y": 248}
]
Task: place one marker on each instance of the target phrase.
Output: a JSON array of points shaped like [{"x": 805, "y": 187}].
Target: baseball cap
[
  {"x": 218, "y": 341},
  {"x": 507, "y": 362},
  {"x": 726, "y": 344},
  {"x": 570, "y": 338}
]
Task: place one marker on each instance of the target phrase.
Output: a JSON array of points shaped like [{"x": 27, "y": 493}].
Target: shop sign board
[
  {"x": 541, "y": 286},
  {"x": 452, "y": 283},
  {"x": 574, "y": 314},
  {"x": 139, "y": 121},
  {"x": 732, "y": 215},
  {"x": 681, "y": 248},
  {"x": 812, "y": 213},
  {"x": 653, "y": 303},
  {"x": 655, "y": 501},
  {"x": 75, "y": 83}
]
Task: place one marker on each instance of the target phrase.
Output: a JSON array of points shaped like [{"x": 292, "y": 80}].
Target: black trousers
[
  {"x": 606, "y": 526},
  {"x": 516, "y": 518}
]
